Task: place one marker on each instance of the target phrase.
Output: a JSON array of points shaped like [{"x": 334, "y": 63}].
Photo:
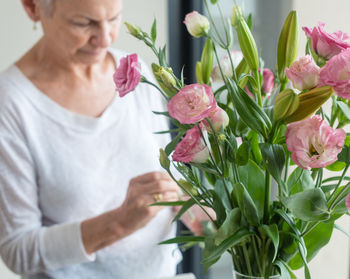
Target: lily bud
[
  {"x": 163, "y": 159},
  {"x": 247, "y": 44},
  {"x": 310, "y": 102},
  {"x": 188, "y": 187},
  {"x": 197, "y": 25},
  {"x": 134, "y": 30},
  {"x": 287, "y": 50},
  {"x": 160, "y": 75},
  {"x": 286, "y": 103},
  {"x": 236, "y": 15},
  {"x": 207, "y": 60},
  {"x": 166, "y": 75}
]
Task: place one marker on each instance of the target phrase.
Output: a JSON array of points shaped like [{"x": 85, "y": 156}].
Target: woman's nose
[{"x": 102, "y": 36}]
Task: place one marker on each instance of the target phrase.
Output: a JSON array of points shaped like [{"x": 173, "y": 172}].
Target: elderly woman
[{"x": 78, "y": 165}]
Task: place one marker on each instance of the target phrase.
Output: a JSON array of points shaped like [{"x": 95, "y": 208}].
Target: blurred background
[{"x": 17, "y": 36}]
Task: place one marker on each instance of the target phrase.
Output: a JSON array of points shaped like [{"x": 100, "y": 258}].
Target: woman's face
[{"x": 80, "y": 31}]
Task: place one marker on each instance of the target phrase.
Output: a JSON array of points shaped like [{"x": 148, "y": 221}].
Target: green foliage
[
  {"x": 309, "y": 205},
  {"x": 264, "y": 234}
]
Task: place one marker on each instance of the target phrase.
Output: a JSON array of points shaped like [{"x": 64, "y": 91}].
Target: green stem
[
  {"x": 258, "y": 85},
  {"x": 286, "y": 167},
  {"x": 283, "y": 86},
  {"x": 257, "y": 258},
  {"x": 246, "y": 258},
  {"x": 144, "y": 80},
  {"x": 232, "y": 66},
  {"x": 336, "y": 187},
  {"x": 339, "y": 197},
  {"x": 193, "y": 197},
  {"x": 267, "y": 197},
  {"x": 310, "y": 228}
]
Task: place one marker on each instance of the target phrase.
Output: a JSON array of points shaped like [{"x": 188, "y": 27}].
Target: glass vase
[{"x": 237, "y": 275}]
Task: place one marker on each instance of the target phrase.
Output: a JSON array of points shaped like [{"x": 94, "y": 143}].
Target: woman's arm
[{"x": 134, "y": 213}]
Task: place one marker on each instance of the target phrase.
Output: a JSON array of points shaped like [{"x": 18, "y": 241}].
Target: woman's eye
[{"x": 81, "y": 24}]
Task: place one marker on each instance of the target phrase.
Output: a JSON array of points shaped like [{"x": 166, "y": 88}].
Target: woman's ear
[{"x": 32, "y": 9}]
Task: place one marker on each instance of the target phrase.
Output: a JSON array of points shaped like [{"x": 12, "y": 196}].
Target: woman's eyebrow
[{"x": 95, "y": 20}]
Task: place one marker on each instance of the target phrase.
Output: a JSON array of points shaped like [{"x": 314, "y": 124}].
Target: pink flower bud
[
  {"x": 268, "y": 80},
  {"x": 325, "y": 44},
  {"x": 218, "y": 118},
  {"x": 192, "y": 147},
  {"x": 197, "y": 25},
  {"x": 192, "y": 103},
  {"x": 127, "y": 75},
  {"x": 313, "y": 143},
  {"x": 303, "y": 73},
  {"x": 336, "y": 73}
]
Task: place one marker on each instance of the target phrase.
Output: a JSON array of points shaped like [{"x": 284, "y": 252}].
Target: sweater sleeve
[{"x": 26, "y": 246}]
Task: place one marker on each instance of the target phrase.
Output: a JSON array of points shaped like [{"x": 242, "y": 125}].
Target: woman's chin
[{"x": 88, "y": 57}]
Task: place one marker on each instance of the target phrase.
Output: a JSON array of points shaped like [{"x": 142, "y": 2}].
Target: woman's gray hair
[{"x": 47, "y": 5}]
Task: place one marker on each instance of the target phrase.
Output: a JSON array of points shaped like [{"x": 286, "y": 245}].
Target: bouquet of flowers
[{"x": 252, "y": 145}]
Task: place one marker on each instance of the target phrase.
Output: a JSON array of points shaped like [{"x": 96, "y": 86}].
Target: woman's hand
[
  {"x": 133, "y": 214},
  {"x": 144, "y": 190}
]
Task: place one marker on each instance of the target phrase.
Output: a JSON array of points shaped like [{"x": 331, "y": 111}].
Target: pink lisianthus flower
[
  {"x": 192, "y": 147},
  {"x": 325, "y": 44},
  {"x": 313, "y": 143},
  {"x": 226, "y": 66},
  {"x": 218, "y": 118},
  {"x": 192, "y": 103},
  {"x": 303, "y": 73},
  {"x": 127, "y": 75},
  {"x": 268, "y": 81},
  {"x": 336, "y": 73}
]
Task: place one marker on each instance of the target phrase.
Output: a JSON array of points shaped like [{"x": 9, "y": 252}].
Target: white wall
[{"x": 17, "y": 36}]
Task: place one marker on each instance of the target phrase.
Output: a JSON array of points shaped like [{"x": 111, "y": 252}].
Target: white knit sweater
[{"x": 58, "y": 168}]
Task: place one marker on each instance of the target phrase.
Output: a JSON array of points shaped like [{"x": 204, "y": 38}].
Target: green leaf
[
  {"x": 300, "y": 180},
  {"x": 344, "y": 155},
  {"x": 230, "y": 226},
  {"x": 246, "y": 204},
  {"x": 254, "y": 179},
  {"x": 317, "y": 238},
  {"x": 187, "y": 204},
  {"x": 286, "y": 272},
  {"x": 154, "y": 31},
  {"x": 226, "y": 244},
  {"x": 336, "y": 166},
  {"x": 254, "y": 144},
  {"x": 183, "y": 239},
  {"x": 309, "y": 205},
  {"x": 213, "y": 1},
  {"x": 161, "y": 113},
  {"x": 249, "y": 111},
  {"x": 209, "y": 247},
  {"x": 174, "y": 203},
  {"x": 273, "y": 234},
  {"x": 221, "y": 191},
  {"x": 273, "y": 158},
  {"x": 344, "y": 108},
  {"x": 242, "y": 155},
  {"x": 301, "y": 244},
  {"x": 167, "y": 132}
]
